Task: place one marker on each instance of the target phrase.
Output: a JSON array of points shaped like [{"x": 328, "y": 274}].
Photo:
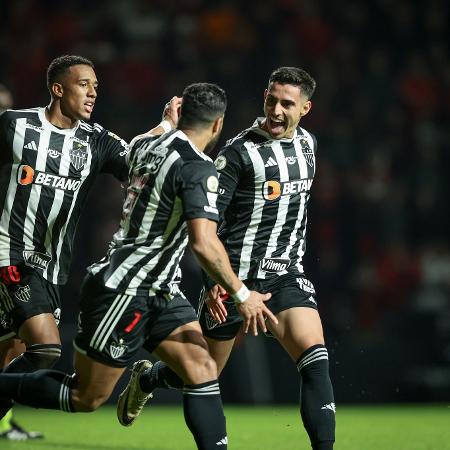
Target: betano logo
[
  {"x": 27, "y": 175},
  {"x": 272, "y": 189}
]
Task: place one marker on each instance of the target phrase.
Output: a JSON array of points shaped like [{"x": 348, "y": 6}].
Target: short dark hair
[
  {"x": 202, "y": 104},
  {"x": 60, "y": 65},
  {"x": 296, "y": 77}
]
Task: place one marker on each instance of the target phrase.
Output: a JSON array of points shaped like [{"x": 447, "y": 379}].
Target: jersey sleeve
[
  {"x": 113, "y": 155},
  {"x": 198, "y": 191},
  {"x": 229, "y": 166}
]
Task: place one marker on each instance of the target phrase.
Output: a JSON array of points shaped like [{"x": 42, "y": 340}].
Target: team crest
[
  {"x": 307, "y": 152},
  {"x": 117, "y": 349},
  {"x": 23, "y": 293},
  {"x": 210, "y": 321},
  {"x": 78, "y": 156}
]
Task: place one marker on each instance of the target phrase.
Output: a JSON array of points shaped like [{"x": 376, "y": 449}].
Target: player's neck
[
  {"x": 56, "y": 117},
  {"x": 199, "y": 138}
]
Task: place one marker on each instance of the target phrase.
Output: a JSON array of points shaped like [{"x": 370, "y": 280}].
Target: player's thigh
[
  {"x": 31, "y": 307},
  {"x": 10, "y": 349},
  {"x": 220, "y": 351},
  {"x": 298, "y": 329},
  {"x": 94, "y": 382},
  {"x": 185, "y": 351},
  {"x": 40, "y": 329}
]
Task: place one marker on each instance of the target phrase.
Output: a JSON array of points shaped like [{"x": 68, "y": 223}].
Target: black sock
[
  {"x": 159, "y": 376},
  {"x": 49, "y": 389},
  {"x": 316, "y": 397},
  {"x": 203, "y": 413}
]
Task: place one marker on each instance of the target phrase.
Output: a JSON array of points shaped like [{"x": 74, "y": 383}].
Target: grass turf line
[{"x": 406, "y": 427}]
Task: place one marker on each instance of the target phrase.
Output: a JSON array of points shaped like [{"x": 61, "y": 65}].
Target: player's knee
[
  {"x": 201, "y": 370},
  {"x": 88, "y": 402},
  {"x": 36, "y": 357}
]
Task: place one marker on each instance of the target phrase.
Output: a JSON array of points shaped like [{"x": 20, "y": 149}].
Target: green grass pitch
[{"x": 406, "y": 427}]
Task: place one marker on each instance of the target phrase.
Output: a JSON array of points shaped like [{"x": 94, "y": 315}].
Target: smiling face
[
  {"x": 77, "y": 92},
  {"x": 284, "y": 106}
]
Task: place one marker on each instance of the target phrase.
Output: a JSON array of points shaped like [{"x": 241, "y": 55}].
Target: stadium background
[{"x": 378, "y": 242}]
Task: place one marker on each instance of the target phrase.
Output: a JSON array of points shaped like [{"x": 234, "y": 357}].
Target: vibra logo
[
  {"x": 272, "y": 189},
  {"x": 36, "y": 259},
  {"x": 274, "y": 264}
]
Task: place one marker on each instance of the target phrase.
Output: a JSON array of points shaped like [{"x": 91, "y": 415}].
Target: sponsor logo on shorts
[
  {"x": 306, "y": 285},
  {"x": 311, "y": 299},
  {"x": 117, "y": 349},
  {"x": 57, "y": 315},
  {"x": 174, "y": 288},
  {"x": 23, "y": 293},
  {"x": 210, "y": 321},
  {"x": 274, "y": 265},
  {"x": 36, "y": 259}
]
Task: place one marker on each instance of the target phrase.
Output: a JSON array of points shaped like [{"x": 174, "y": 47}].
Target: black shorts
[
  {"x": 113, "y": 326},
  {"x": 288, "y": 291},
  {"x": 25, "y": 293}
]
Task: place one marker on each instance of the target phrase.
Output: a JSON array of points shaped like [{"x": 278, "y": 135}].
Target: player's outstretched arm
[{"x": 213, "y": 258}]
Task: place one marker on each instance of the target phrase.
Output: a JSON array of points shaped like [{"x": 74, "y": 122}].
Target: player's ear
[
  {"x": 217, "y": 125},
  {"x": 306, "y": 108},
  {"x": 57, "y": 90}
]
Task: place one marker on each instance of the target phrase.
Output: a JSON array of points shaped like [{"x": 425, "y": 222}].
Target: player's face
[
  {"x": 284, "y": 106},
  {"x": 79, "y": 92}
]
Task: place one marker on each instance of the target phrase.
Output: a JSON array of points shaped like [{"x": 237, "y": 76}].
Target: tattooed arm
[{"x": 213, "y": 258}]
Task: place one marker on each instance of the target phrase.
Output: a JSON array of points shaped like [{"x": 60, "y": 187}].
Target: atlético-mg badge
[{"x": 78, "y": 157}]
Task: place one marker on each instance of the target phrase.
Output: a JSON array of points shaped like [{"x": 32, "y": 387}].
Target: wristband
[
  {"x": 165, "y": 125},
  {"x": 241, "y": 295}
]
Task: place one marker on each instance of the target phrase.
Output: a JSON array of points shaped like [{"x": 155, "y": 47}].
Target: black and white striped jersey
[
  {"x": 264, "y": 188},
  {"x": 170, "y": 182},
  {"x": 45, "y": 176}
]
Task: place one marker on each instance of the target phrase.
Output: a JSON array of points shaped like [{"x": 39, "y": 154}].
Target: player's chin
[{"x": 84, "y": 115}]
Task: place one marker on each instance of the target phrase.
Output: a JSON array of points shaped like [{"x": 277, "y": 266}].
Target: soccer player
[
  {"x": 131, "y": 298},
  {"x": 49, "y": 159},
  {"x": 265, "y": 177},
  {"x": 11, "y": 348}
]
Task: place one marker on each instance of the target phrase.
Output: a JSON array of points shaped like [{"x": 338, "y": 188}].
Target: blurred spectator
[{"x": 381, "y": 114}]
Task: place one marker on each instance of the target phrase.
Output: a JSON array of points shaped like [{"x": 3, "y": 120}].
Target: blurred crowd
[{"x": 378, "y": 245}]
